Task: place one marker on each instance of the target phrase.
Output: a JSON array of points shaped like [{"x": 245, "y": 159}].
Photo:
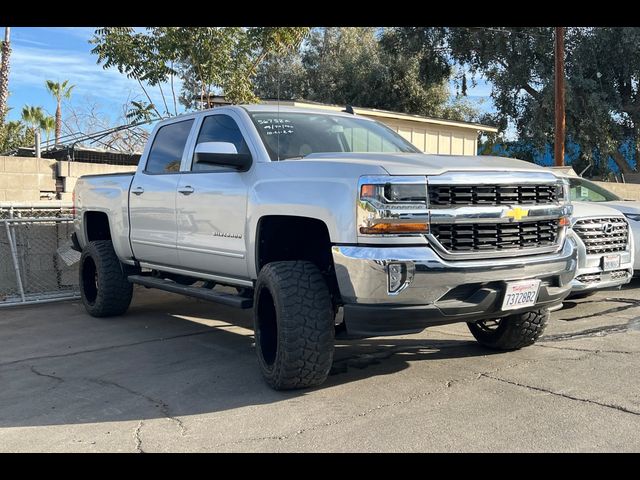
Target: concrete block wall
[
  {"x": 27, "y": 179},
  {"x": 629, "y": 191},
  {"x": 23, "y": 179},
  {"x": 71, "y": 171}
]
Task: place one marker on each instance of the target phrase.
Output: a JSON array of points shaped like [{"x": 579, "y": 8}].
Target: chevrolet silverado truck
[{"x": 324, "y": 221}]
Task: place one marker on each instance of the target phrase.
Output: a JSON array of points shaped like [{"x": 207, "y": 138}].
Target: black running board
[{"x": 198, "y": 292}]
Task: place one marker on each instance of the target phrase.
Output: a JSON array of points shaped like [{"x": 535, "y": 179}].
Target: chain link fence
[{"x": 36, "y": 263}]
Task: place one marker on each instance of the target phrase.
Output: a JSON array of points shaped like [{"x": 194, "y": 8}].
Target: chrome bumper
[
  {"x": 438, "y": 291},
  {"x": 590, "y": 268},
  {"x": 363, "y": 277},
  {"x": 605, "y": 281}
]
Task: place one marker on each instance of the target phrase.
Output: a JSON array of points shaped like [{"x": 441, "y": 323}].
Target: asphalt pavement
[{"x": 179, "y": 374}]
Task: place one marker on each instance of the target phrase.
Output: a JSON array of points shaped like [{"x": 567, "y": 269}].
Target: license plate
[
  {"x": 520, "y": 294},
  {"x": 610, "y": 262}
]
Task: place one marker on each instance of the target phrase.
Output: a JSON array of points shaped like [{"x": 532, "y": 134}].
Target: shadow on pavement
[{"x": 64, "y": 367}]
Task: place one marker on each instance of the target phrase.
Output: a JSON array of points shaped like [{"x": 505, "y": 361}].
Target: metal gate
[{"x": 31, "y": 269}]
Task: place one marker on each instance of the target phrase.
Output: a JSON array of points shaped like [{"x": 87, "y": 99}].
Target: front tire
[
  {"x": 512, "y": 332},
  {"x": 293, "y": 325},
  {"x": 104, "y": 287}
]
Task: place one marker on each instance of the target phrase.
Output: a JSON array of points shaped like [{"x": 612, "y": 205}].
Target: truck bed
[{"x": 109, "y": 194}]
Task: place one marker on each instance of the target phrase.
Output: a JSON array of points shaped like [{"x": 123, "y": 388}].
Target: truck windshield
[{"x": 296, "y": 135}]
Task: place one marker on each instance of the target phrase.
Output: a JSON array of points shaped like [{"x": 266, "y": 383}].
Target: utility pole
[
  {"x": 559, "y": 98},
  {"x": 37, "y": 141}
]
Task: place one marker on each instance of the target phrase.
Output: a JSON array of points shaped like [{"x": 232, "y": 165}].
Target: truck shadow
[{"x": 152, "y": 363}]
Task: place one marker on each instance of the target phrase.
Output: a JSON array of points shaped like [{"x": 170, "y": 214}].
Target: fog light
[{"x": 397, "y": 276}]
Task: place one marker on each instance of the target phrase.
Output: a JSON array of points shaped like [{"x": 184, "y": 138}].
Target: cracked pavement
[{"x": 174, "y": 375}]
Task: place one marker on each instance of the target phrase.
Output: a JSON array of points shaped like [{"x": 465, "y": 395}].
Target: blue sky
[{"x": 64, "y": 53}]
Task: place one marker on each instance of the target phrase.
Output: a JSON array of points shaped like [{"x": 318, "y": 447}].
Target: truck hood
[
  {"x": 624, "y": 206},
  {"x": 593, "y": 209},
  {"x": 424, "y": 164}
]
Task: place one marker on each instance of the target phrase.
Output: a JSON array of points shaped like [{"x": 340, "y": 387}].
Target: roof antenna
[{"x": 349, "y": 109}]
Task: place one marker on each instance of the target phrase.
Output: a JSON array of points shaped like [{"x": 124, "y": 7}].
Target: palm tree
[
  {"x": 59, "y": 91},
  {"x": 4, "y": 73},
  {"x": 32, "y": 116},
  {"x": 48, "y": 124}
]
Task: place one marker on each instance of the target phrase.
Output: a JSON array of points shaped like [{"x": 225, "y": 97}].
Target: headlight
[
  {"x": 392, "y": 205},
  {"x": 633, "y": 216}
]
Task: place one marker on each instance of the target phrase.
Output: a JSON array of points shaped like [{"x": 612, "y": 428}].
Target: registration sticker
[{"x": 520, "y": 294}]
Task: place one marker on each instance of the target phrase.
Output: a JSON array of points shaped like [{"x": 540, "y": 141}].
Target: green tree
[
  {"x": 14, "y": 134},
  {"x": 204, "y": 58},
  {"x": 140, "y": 112},
  {"x": 59, "y": 91},
  {"x": 365, "y": 67},
  {"x": 603, "y": 94},
  {"x": 602, "y": 70}
]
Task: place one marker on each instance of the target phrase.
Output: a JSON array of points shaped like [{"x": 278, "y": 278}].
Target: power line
[{"x": 512, "y": 32}]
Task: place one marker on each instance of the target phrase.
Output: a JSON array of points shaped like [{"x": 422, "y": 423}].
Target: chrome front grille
[
  {"x": 444, "y": 196},
  {"x": 604, "y": 234},
  {"x": 618, "y": 274},
  {"x": 598, "y": 276},
  {"x": 482, "y": 237},
  {"x": 589, "y": 278}
]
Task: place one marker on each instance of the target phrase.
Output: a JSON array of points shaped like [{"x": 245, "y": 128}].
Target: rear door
[{"x": 152, "y": 200}]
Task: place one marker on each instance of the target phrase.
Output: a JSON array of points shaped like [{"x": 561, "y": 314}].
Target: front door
[
  {"x": 153, "y": 197},
  {"x": 211, "y": 207}
]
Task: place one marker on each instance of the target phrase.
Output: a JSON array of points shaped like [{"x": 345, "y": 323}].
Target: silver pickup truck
[{"x": 324, "y": 221}]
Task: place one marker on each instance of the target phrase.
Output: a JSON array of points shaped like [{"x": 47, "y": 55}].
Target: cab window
[
  {"x": 167, "y": 148},
  {"x": 220, "y": 128}
]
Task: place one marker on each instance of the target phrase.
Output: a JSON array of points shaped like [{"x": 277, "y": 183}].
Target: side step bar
[{"x": 198, "y": 292}]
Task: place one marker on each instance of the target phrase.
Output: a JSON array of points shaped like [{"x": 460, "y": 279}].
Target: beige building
[{"x": 431, "y": 135}]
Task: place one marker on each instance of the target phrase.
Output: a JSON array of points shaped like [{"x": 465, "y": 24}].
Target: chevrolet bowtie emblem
[{"x": 517, "y": 213}]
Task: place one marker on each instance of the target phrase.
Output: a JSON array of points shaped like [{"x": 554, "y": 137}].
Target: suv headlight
[{"x": 389, "y": 205}]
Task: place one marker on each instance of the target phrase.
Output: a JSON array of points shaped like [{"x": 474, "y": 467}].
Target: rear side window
[{"x": 166, "y": 152}]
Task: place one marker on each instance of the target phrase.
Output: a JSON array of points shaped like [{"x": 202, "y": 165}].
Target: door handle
[
  {"x": 186, "y": 190},
  {"x": 137, "y": 190}
]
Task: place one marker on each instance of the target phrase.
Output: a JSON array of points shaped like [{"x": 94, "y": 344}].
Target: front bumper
[
  {"x": 634, "y": 226},
  {"x": 591, "y": 276},
  {"x": 438, "y": 291}
]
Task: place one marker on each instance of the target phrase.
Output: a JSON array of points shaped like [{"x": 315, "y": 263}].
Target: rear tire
[
  {"x": 512, "y": 332},
  {"x": 104, "y": 287},
  {"x": 293, "y": 325}
]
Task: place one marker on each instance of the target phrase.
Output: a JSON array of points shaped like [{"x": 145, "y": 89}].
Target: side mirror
[{"x": 222, "y": 154}]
